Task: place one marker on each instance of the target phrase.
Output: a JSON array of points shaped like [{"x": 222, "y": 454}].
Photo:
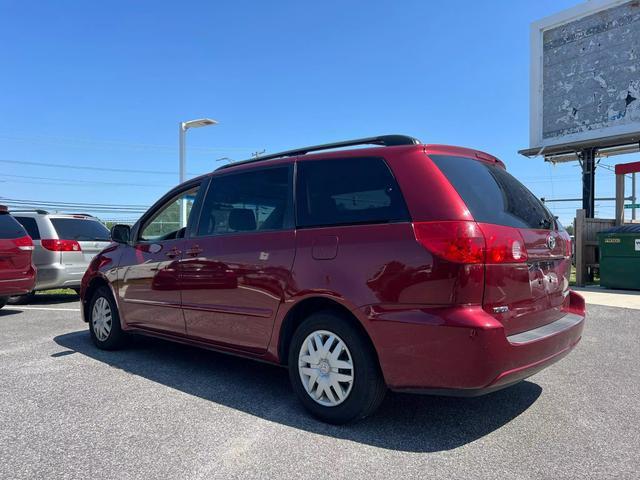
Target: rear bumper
[
  {"x": 58, "y": 275},
  {"x": 464, "y": 351},
  {"x": 18, "y": 286}
]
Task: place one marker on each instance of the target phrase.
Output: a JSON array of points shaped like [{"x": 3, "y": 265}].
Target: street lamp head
[{"x": 201, "y": 122}]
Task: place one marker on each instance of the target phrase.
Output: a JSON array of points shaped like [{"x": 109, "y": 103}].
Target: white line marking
[{"x": 19, "y": 307}]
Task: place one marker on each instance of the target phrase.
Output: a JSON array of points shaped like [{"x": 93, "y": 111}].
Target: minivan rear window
[
  {"x": 346, "y": 192},
  {"x": 10, "y": 228},
  {"x": 493, "y": 195},
  {"x": 80, "y": 229}
]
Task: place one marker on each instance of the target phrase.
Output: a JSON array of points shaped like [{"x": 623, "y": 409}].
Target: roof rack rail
[
  {"x": 383, "y": 140},
  {"x": 24, "y": 210}
]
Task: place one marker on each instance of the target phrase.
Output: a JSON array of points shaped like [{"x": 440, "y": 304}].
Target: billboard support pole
[
  {"x": 633, "y": 195},
  {"x": 588, "y": 157}
]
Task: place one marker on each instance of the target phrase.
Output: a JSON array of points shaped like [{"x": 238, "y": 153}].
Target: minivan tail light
[
  {"x": 503, "y": 244},
  {"x": 24, "y": 243},
  {"x": 56, "y": 245},
  {"x": 455, "y": 241}
]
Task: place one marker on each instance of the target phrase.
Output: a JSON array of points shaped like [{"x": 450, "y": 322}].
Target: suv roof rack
[
  {"x": 383, "y": 140},
  {"x": 23, "y": 210}
]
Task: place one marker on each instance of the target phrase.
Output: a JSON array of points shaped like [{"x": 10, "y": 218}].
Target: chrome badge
[{"x": 551, "y": 242}]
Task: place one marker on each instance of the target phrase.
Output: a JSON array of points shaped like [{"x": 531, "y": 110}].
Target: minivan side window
[
  {"x": 31, "y": 226},
  {"x": 256, "y": 200},
  {"x": 166, "y": 223},
  {"x": 346, "y": 192}
]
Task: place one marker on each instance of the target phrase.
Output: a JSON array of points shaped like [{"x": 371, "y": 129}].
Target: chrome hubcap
[
  {"x": 326, "y": 368},
  {"x": 101, "y": 319}
]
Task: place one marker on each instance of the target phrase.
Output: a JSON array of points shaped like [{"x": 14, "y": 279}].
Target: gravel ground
[{"x": 160, "y": 410}]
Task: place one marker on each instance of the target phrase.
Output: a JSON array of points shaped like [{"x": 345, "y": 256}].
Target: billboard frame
[{"x": 607, "y": 137}]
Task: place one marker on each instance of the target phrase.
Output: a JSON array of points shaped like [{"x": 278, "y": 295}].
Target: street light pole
[{"x": 184, "y": 126}]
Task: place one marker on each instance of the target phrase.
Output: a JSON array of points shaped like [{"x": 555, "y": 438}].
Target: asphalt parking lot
[{"x": 159, "y": 410}]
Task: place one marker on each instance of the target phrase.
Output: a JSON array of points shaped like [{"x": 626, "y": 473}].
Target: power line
[
  {"x": 95, "y": 169},
  {"x": 64, "y": 181},
  {"x": 83, "y": 142}
]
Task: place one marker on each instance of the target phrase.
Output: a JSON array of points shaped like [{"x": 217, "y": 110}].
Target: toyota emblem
[{"x": 551, "y": 242}]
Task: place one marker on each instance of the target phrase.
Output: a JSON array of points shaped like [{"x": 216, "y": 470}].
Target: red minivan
[
  {"x": 17, "y": 273},
  {"x": 420, "y": 268}
]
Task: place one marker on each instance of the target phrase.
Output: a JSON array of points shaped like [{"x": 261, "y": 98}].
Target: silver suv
[{"x": 64, "y": 245}]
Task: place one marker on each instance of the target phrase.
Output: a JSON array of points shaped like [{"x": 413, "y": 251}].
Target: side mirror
[{"x": 121, "y": 233}]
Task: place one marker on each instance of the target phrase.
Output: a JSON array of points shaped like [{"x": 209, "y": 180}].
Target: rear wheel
[
  {"x": 104, "y": 321},
  {"x": 334, "y": 370}
]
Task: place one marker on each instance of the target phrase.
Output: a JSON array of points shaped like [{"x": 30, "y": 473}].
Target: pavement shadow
[
  {"x": 6, "y": 311},
  {"x": 409, "y": 423}
]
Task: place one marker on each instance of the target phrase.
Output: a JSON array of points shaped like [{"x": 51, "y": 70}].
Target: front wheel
[
  {"x": 104, "y": 321},
  {"x": 334, "y": 370}
]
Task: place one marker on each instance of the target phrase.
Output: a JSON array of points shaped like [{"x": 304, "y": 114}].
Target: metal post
[
  {"x": 619, "y": 199},
  {"x": 183, "y": 174},
  {"x": 633, "y": 195},
  {"x": 588, "y": 181}
]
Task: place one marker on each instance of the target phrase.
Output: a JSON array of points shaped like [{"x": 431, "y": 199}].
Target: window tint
[
  {"x": 348, "y": 191},
  {"x": 492, "y": 194},
  {"x": 79, "y": 229},
  {"x": 166, "y": 224},
  {"x": 30, "y": 225},
  {"x": 248, "y": 201},
  {"x": 9, "y": 228}
]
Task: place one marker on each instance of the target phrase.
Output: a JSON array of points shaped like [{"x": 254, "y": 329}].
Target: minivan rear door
[
  {"x": 525, "y": 294},
  {"x": 91, "y": 235}
]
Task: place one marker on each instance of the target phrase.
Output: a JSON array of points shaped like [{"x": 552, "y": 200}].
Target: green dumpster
[{"x": 620, "y": 257}]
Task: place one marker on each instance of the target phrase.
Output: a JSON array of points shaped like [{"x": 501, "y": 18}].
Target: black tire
[
  {"x": 3, "y": 301},
  {"x": 21, "y": 299},
  {"x": 368, "y": 388},
  {"x": 115, "y": 338}
]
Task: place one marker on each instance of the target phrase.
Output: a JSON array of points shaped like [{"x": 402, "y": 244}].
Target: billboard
[{"x": 585, "y": 75}]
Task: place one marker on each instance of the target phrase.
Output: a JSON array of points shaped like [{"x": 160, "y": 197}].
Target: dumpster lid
[{"x": 623, "y": 229}]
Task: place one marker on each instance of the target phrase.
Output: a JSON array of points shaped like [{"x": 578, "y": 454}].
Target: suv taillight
[
  {"x": 470, "y": 242},
  {"x": 24, "y": 243},
  {"x": 56, "y": 245}
]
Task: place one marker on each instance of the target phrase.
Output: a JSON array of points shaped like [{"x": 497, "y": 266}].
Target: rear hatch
[
  {"x": 527, "y": 265},
  {"x": 15, "y": 249},
  {"x": 81, "y": 238}
]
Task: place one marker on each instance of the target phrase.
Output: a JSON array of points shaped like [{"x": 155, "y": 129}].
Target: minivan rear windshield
[
  {"x": 79, "y": 229},
  {"x": 492, "y": 195},
  {"x": 9, "y": 228}
]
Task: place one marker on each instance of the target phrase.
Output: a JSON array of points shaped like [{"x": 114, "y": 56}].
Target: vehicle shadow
[
  {"x": 409, "y": 423},
  {"x": 7, "y": 310},
  {"x": 51, "y": 299}
]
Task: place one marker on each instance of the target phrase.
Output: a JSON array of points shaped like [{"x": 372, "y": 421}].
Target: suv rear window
[
  {"x": 492, "y": 194},
  {"x": 10, "y": 228},
  {"x": 80, "y": 229},
  {"x": 30, "y": 225},
  {"x": 348, "y": 191}
]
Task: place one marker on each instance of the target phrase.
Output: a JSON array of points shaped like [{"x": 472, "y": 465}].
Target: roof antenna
[{"x": 256, "y": 155}]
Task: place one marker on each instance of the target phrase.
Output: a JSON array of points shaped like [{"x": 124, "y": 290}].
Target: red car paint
[
  {"x": 437, "y": 325},
  {"x": 17, "y": 273}
]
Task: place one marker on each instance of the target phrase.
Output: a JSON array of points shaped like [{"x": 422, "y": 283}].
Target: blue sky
[{"x": 104, "y": 85}]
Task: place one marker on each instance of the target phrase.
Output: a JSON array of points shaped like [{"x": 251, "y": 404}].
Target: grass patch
[{"x": 57, "y": 291}]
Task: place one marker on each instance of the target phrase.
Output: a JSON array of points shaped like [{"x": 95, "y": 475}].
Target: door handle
[
  {"x": 194, "y": 251},
  {"x": 173, "y": 253}
]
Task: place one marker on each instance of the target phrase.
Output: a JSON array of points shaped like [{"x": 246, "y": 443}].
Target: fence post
[{"x": 579, "y": 229}]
